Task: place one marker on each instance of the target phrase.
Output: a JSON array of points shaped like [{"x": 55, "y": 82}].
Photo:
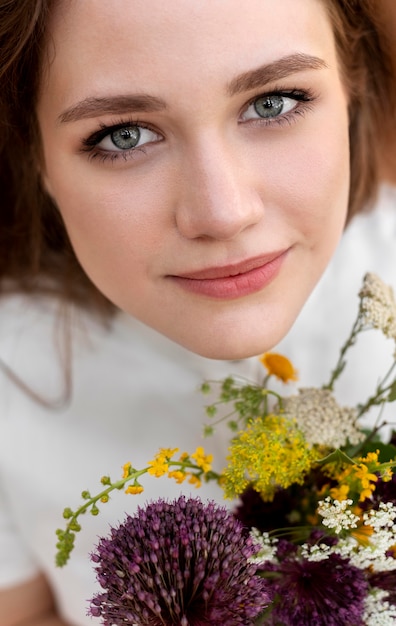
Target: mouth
[{"x": 234, "y": 280}]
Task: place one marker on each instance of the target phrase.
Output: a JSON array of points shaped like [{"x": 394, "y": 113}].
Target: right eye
[{"x": 126, "y": 138}]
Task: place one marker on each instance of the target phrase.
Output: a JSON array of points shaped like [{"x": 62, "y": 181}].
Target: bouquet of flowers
[{"x": 312, "y": 541}]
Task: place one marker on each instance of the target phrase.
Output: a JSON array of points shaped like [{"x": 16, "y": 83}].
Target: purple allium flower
[
  {"x": 180, "y": 562},
  {"x": 330, "y": 592}
]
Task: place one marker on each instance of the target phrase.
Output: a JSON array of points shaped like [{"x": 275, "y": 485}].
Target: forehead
[{"x": 108, "y": 45}]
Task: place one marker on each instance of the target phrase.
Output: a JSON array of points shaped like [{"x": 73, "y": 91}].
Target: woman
[{"x": 198, "y": 185}]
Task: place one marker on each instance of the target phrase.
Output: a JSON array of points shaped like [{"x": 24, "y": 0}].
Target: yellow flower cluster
[
  {"x": 358, "y": 481},
  {"x": 189, "y": 467},
  {"x": 159, "y": 465},
  {"x": 270, "y": 453}
]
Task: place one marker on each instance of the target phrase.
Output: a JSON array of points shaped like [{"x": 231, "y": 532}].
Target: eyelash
[
  {"x": 89, "y": 144},
  {"x": 303, "y": 98}
]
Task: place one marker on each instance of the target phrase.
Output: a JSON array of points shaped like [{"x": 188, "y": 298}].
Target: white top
[{"x": 134, "y": 391}]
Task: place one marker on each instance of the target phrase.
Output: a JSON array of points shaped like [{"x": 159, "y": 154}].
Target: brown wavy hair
[{"x": 35, "y": 251}]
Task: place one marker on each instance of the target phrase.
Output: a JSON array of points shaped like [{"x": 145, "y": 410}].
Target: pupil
[
  {"x": 269, "y": 106},
  {"x": 126, "y": 138}
]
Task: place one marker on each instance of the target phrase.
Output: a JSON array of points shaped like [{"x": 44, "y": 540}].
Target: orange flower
[{"x": 279, "y": 366}]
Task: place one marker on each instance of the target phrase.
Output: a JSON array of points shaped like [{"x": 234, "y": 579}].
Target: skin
[
  {"x": 29, "y": 604},
  {"x": 214, "y": 184}
]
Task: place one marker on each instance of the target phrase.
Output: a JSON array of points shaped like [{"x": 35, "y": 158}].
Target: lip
[{"x": 234, "y": 280}]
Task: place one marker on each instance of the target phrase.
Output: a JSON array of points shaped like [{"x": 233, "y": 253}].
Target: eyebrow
[
  {"x": 119, "y": 105},
  {"x": 92, "y": 107},
  {"x": 274, "y": 71}
]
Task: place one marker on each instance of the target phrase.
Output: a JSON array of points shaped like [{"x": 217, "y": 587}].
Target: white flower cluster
[
  {"x": 377, "y": 610},
  {"x": 267, "y": 545},
  {"x": 317, "y": 552},
  {"x": 383, "y": 523},
  {"x": 384, "y": 517},
  {"x": 321, "y": 419},
  {"x": 336, "y": 514},
  {"x": 372, "y": 555},
  {"x": 378, "y": 305}
]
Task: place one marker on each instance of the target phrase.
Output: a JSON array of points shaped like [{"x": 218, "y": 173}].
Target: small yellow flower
[
  {"x": 126, "y": 469},
  {"x": 279, "y": 366},
  {"x": 194, "y": 480},
  {"x": 178, "y": 475},
  {"x": 167, "y": 452},
  {"x": 158, "y": 467},
  {"x": 204, "y": 461},
  {"x": 367, "y": 479},
  {"x": 134, "y": 489},
  {"x": 386, "y": 475},
  {"x": 339, "y": 493},
  {"x": 372, "y": 457}
]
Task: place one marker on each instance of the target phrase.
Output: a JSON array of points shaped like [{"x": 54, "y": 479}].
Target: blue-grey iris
[
  {"x": 269, "y": 106},
  {"x": 126, "y": 138}
]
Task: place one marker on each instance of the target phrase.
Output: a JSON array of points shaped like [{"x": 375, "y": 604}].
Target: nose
[{"x": 217, "y": 197}]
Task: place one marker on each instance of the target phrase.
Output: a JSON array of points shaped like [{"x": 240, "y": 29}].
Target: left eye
[
  {"x": 127, "y": 138},
  {"x": 269, "y": 107}
]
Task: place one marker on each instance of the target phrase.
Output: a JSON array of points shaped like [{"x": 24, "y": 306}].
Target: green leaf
[{"x": 338, "y": 456}]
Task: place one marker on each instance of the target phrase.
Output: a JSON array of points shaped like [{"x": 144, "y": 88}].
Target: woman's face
[{"x": 198, "y": 153}]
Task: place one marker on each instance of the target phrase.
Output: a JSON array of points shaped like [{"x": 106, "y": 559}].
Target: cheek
[
  {"x": 109, "y": 219},
  {"x": 317, "y": 183}
]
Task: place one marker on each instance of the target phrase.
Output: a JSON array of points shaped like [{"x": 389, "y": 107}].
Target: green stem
[
  {"x": 66, "y": 537},
  {"x": 356, "y": 329},
  {"x": 379, "y": 397}
]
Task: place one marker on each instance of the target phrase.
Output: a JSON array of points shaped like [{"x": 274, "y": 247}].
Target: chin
[{"x": 240, "y": 342}]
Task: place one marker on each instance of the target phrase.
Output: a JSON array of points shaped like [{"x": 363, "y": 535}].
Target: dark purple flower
[
  {"x": 387, "y": 582},
  {"x": 180, "y": 562},
  {"x": 316, "y": 593},
  {"x": 290, "y": 507},
  {"x": 385, "y": 491}
]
